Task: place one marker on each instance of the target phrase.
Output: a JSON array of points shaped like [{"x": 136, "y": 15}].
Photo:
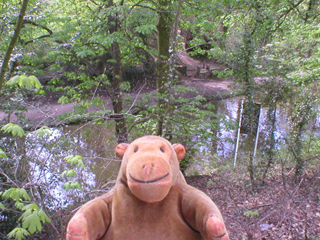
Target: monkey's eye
[
  {"x": 161, "y": 149},
  {"x": 136, "y": 149}
]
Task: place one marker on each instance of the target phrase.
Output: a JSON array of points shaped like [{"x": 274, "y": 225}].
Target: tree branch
[
  {"x": 12, "y": 44},
  {"x": 38, "y": 25}
]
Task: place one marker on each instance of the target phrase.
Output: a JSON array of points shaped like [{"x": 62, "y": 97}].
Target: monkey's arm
[
  {"x": 203, "y": 215},
  {"x": 91, "y": 221}
]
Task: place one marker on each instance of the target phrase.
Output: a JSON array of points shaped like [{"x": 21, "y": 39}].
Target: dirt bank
[{"x": 278, "y": 210}]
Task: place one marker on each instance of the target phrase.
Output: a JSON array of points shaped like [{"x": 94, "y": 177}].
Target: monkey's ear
[
  {"x": 121, "y": 149},
  {"x": 180, "y": 151}
]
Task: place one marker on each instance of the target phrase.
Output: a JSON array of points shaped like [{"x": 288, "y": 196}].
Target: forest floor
[{"x": 277, "y": 210}]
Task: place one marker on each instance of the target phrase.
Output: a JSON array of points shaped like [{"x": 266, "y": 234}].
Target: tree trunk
[
  {"x": 12, "y": 44},
  {"x": 271, "y": 118},
  {"x": 115, "y": 94},
  {"x": 164, "y": 30},
  {"x": 298, "y": 153}
]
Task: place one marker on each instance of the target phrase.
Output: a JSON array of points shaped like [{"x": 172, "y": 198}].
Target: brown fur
[{"x": 150, "y": 201}]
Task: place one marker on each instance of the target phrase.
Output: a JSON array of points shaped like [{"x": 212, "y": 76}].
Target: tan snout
[{"x": 149, "y": 177}]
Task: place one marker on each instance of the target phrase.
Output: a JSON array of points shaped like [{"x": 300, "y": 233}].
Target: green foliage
[
  {"x": 250, "y": 213},
  {"x": 19, "y": 233},
  {"x": 14, "y": 129},
  {"x": 75, "y": 160},
  {"x": 69, "y": 173},
  {"x": 33, "y": 217},
  {"x": 125, "y": 86},
  {"x": 311, "y": 147},
  {"x": 71, "y": 185},
  {"x": 210, "y": 182},
  {"x": 64, "y": 100},
  {"x": 42, "y": 131},
  {"x": 3, "y": 154},
  {"x": 25, "y": 81},
  {"x": 17, "y": 194}
]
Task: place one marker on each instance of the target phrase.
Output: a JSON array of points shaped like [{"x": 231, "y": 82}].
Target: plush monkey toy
[{"x": 150, "y": 200}]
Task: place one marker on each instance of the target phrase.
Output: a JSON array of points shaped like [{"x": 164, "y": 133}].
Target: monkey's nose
[{"x": 148, "y": 169}]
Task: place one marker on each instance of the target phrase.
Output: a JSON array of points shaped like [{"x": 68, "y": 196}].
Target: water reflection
[
  {"x": 229, "y": 109},
  {"x": 95, "y": 143},
  {"x": 225, "y": 147}
]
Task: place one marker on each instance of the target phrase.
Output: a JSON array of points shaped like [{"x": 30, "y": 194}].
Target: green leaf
[
  {"x": 3, "y": 154},
  {"x": 125, "y": 86},
  {"x": 6, "y": 194},
  {"x": 24, "y": 194},
  {"x": 42, "y": 131},
  {"x": 97, "y": 101},
  {"x": 26, "y": 214},
  {"x": 18, "y": 233},
  {"x": 43, "y": 216},
  {"x": 13, "y": 81},
  {"x": 32, "y": 223},
  {"x": 14, "y": 129},
  {"x": 250, "y": 213},
  {"x": 32, "y": 218},
  {"x": 75, "y": 160},
  {"x": 31, "y": 206},
  {"x": 69, "y": 173},
  {"x": 25, "y": 81},
  {"x": 16, "y": 194},
  {"x": 2, "y": 207},
  {"x": 35, "y": 82},
  {"x": 19, "y": 205},
  {"x": 71, "y": 185},
  {"x": 67, "y": 186},
  {"x": 64, "y": 100}
]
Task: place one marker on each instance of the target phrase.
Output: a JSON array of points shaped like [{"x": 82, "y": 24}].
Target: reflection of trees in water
[
  {"x": 248, "y": 129},
  {"x": 97, "y": 148},
  {"x": 89, "y": 141},
  {"x": 250, "y": 117},
  {"x": 269, "y": 142}
]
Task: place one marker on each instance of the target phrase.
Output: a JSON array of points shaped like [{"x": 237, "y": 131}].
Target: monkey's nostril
[{"x": 143, "y": 166}]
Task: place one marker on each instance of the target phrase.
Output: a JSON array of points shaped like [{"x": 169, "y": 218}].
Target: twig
[
  {"x": 292, "y": 200},
  {"x": 8, "y": 178},
  {"x": 136, "y": 98},
  {"x": 95, "y": 91}
]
